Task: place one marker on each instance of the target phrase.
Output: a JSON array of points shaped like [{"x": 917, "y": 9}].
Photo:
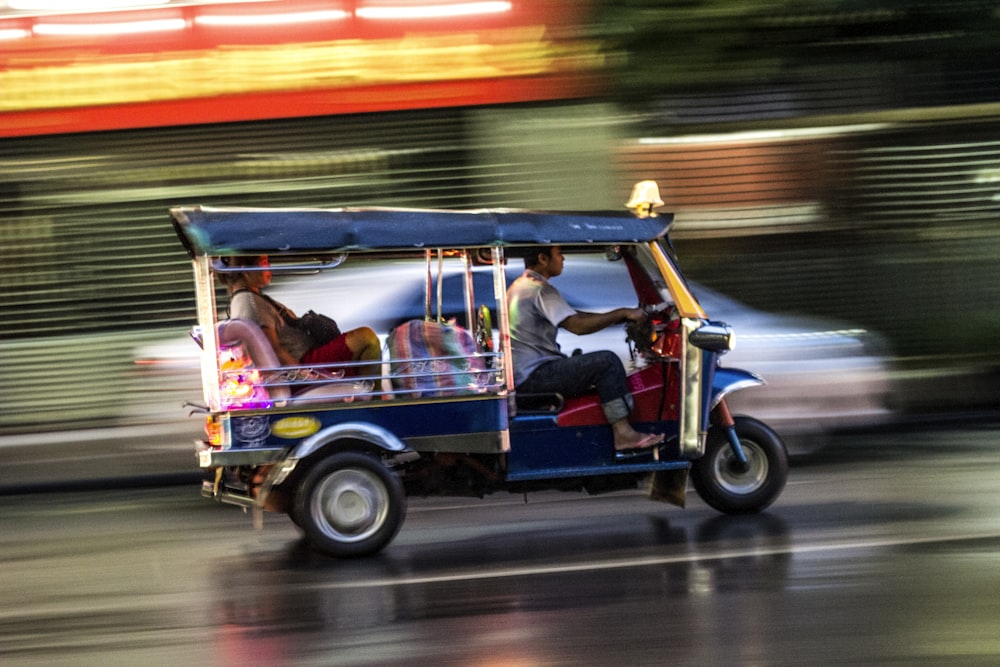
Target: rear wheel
[
  {"x": 350, "y": 504},
  {"x": 730, "y": 487}
]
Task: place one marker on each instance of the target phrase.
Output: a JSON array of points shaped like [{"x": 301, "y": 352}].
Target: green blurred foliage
[{"x": 702, "y": 44}]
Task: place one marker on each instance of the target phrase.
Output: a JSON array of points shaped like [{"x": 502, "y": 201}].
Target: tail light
[
  {"x": 216, "y": 431},
  {"x": 241, "y": 385}
]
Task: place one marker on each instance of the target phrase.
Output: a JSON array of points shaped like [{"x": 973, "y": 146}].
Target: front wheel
[
  {"x": 730, "y": 487},
  {"x": 349, "y": 504}
]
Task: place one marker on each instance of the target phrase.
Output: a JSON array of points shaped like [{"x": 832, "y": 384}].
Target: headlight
[{"x": 714, "y": 337}]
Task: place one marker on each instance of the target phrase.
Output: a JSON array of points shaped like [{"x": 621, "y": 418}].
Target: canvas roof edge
[{"x": 205, "y": 230}]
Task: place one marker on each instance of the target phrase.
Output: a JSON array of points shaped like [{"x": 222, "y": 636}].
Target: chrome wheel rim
[
  {"x": 350, "y": 505},
  {"x": 732, "y": 478}
]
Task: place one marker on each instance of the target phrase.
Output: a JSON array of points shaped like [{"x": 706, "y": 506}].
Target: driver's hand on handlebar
[
  {"x": 662, "y": 307},
  {"x": 637, "y": 315}
]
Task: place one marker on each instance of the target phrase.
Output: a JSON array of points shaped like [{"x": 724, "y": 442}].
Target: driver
[{"x": 537, "y": 311}]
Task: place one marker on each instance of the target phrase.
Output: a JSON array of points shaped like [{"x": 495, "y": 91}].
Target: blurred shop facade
[{"x": 820, "y": 158}]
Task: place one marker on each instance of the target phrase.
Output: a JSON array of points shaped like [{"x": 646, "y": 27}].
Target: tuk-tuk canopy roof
[{"x": 245, "y": 231}]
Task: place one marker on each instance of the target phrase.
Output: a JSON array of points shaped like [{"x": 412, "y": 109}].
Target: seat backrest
[{"x": 262, "y": 355}]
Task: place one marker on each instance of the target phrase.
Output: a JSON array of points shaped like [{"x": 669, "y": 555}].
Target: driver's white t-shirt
[{"x": 536, "y": 311}]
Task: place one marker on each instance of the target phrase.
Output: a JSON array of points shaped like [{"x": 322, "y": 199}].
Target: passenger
[
  {"x": 537, "y": 310},
  {"x": 291, "y": 344}
]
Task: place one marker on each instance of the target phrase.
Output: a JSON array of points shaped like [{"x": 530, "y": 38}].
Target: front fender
[
  {"x": 728, "y": 380},
  {"x": 365, "y": 432}
]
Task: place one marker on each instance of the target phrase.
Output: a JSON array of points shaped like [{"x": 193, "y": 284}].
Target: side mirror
[
  {"x": 484, "y": 257},
  {"x": 713, "y": 337}
]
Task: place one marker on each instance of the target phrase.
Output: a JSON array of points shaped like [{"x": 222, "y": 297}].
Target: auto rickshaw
[{"x": 340, "y": 452}]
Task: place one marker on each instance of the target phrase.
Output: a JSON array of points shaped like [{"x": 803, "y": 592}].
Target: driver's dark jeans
[{"x": 579, "y": 374}]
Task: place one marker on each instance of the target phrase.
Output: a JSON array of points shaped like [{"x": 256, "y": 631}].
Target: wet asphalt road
[{"x": 886, "y": 550}]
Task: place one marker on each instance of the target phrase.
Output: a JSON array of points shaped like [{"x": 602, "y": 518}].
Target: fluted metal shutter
[{"x": 92, "y": 269}]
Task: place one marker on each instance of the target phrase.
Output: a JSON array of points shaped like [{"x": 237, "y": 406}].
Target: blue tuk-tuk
[{"x": 339, "y": 448}]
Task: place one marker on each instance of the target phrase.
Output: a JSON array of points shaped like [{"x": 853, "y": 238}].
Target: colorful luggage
[{"x": 435, "y": 359}]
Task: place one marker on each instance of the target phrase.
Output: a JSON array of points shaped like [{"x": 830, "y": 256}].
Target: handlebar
[{"x": 645, "y": 338}]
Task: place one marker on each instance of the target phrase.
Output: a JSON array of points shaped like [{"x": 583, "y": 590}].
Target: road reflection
[
  {"x": 285, "y": 604},
  {"x": 883, "y": 551}
]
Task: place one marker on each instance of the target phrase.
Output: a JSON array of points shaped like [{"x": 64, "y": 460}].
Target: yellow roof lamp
[{"x": 644, "y": 201}]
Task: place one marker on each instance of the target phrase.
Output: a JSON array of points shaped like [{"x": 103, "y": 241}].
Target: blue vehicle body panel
[
  {"x": 541, "y": 449},
  {"x": 727, "y": 380},
  {"x": 411, "y": 420}
]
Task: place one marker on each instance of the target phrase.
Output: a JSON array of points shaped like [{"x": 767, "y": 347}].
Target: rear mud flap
[{"x": 669, "y": 486}]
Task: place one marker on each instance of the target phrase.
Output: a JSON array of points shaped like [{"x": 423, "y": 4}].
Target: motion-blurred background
[{"x": 830, "y": 158}]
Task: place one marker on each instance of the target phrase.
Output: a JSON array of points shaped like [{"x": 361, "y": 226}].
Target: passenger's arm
[
  {"x": 583, "y": 323},
  {"x": 284, "y": 356}
]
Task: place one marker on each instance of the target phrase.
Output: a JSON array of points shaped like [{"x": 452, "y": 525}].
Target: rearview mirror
[{"x": 714, "y": 337}]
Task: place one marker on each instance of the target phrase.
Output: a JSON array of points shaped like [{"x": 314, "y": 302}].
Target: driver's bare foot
[{"x": 641, "y": 441}]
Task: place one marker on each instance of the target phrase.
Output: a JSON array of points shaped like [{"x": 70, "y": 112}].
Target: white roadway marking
[{"x": 528, "y": 571}]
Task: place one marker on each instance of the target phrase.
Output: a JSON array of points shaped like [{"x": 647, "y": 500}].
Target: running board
[{"x": 589, "y": 471}]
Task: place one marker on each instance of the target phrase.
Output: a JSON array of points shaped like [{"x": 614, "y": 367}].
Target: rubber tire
[
  {"x": 349, "y": 505},
  {"x": 734, "y": 492}
]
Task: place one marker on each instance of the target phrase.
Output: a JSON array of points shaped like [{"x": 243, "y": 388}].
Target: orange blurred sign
[{"x": 193, "y": 64}]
